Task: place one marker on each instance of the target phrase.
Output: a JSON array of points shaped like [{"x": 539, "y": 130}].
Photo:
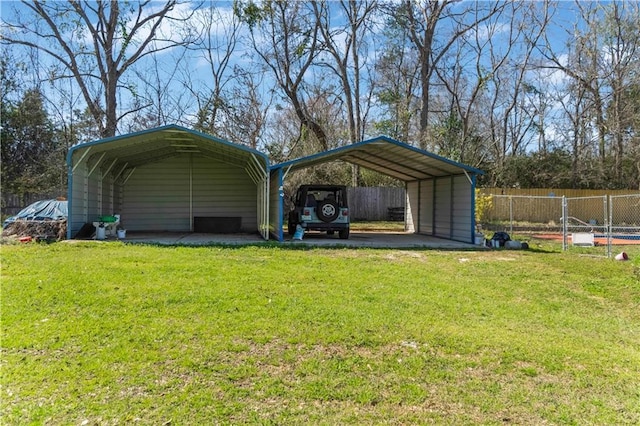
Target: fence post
[
  {"x": 610, "y": 228},
  {"x": 510, "y": 215},
  {"x": 564, "y": 224}
]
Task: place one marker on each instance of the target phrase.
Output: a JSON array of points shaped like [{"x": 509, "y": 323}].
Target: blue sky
[{"x": 194, "y": 67}]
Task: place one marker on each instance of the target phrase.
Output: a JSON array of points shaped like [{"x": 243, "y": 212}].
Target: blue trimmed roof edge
[
  {"x": 378, "y": 139},
  {"x": 161, "y": 129}
]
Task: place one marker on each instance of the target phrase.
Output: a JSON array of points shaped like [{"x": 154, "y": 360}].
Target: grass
[
  {"x": 386, "y": 226},
  {"x": 106, "y": 333}
]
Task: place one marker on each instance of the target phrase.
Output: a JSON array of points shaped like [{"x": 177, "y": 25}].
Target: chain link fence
[
  {"x": 588, "y": 224},
  {"x": 520, "y": 213},
  {"x": 585, "y": 224},
  {"x": 624, "y": 219}
]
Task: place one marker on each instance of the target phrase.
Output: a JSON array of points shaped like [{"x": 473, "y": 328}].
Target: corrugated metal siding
[
  {"x": 156, "y": 197},
  {"x": 275, "y": 204},
  {"x": 443, "y": 208},
  {"x": 107, "y": 195},
  {"x": 78, "y": 199},
  {"x": 164, "y": 196},
  {"x": 91, "y": 196},
  {"x": 94, "y": 197},
  {"x": 117, "y": 197},
  {"x": 461, "y": 213},
  {"x": 222, "y": 190},
  {"x": 412, "y": 207},
  {"x": 426, "y": 206}
]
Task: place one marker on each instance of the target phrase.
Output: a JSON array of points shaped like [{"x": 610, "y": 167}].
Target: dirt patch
[{"x": 404, "y": 254}]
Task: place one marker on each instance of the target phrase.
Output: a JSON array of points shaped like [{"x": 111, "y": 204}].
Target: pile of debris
[
  {"x": 44, "y": 220},
  {"x": 39, "y": 230}
]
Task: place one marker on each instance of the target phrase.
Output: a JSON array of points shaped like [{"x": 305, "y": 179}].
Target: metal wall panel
[
  {"x": 94, "y": 197},
  {"x": 426, "y": 206},
  {"x": 107, "y": 195},
  {"x": 443, "y": 208},
  {"x": 276, "y": 205},
  {"x": 90, "y": 196},
  {"x": 258, "y": 172},
  {"x": 156, "y": 197},
  {"x": 78, "y": 200},
  {"x": 118, "y": 193},
  {"x": 165, "y": 196},
  {"x": 224, "y": 190},
  {"x": 461, "y": 212},
  {"x": 412, "y": 207}
]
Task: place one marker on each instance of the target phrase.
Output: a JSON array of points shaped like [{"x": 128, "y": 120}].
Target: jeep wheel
[
  {"x": 327, "y": 211},
  {"x": 343, "y": 234}
]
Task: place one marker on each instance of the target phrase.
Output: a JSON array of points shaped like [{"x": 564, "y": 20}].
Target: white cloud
[{"x": 491, "y": 30}]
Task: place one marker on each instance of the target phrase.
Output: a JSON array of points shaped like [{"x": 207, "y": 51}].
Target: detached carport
[
  {"x": 169, "y": 179},
  {"x": 440, "y": 193}
]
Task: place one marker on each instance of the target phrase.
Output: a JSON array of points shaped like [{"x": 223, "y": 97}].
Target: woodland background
[{"x": 535, "y": 93}]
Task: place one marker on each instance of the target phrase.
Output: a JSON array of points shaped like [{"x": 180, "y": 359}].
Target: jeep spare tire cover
[{"x": 327, "y": 210}]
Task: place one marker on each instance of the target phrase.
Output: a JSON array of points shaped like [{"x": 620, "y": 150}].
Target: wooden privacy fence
[
  {"x": 526, "y": 205},
  {"x": 542, "y": 210},
  {"x": 13, "y": 203},
  {"x": 370, "y": 203},
  {"x": 373, "y": 203},
  {"x": 555, "y": 192}
]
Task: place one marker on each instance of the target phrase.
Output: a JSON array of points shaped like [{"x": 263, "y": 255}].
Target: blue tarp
[{"x": 40, "y": 211}]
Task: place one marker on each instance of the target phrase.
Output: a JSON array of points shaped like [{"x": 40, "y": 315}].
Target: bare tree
[
  {"x": 603, "y": 62},
  {"x": 433, "y": 40},
  {"x": 581, "y": 65},
  {"x": 233, "y": 98},
  {"x": 95, "y": 43},
  {"x": 245, "y": 116},
  {"x": 285, "y": 36},
  {"x": 347, "y": 47},
  {"x": 158, "y": 101},
  {"x": 397, "y": 82},
  {"x": 465, "y": 77},
  {"x": 575, "y": 107},
  {"x": 622, "y": 55},
  {"x": 512, "y": 102},
  {"x": 217, "y": 48}
]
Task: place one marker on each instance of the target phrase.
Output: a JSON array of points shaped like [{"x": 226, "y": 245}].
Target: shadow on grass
[{"x": 294, "y": 246}]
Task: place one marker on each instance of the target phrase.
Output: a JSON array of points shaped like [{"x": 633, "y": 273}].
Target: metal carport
[
  {"x": 440, "y": 199},
  {"x": 166, "y": 179}
]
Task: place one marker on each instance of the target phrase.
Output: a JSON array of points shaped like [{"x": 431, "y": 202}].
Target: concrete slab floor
[
  {"x": 380, "y": 240},
  {"x": 191, "y": 238},
  {"x": 312, "y": 239}
]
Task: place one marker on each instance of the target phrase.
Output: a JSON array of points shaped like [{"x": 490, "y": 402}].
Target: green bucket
[{"x": 107, "y": 219}]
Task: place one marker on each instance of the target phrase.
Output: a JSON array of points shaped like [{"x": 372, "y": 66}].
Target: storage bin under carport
[{"x": 217, "y": 225}]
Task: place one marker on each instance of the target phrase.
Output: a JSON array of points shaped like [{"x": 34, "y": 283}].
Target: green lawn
[
  {"x": 384, "y": 226},
  {"x": 108, "y": 333}
]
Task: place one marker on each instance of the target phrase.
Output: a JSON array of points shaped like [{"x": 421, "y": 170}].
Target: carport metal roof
[
  {"x": 148, "y": 146},
  {"x": 387, "y": 156}
]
